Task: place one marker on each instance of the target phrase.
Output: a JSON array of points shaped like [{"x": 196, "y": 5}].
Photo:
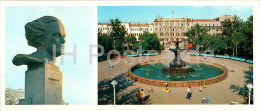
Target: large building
[
  {"x": 132, "y": 29},
  {"x": 168, "y": 29}
]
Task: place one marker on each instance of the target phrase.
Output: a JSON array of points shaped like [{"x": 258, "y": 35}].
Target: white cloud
[{"x": 241, "y": 9}]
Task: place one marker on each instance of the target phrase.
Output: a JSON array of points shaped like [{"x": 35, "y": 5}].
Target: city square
[{"x": 155, "y": 64}]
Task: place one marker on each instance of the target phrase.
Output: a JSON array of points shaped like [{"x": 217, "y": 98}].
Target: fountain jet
[{"x": 177, "y": 65}]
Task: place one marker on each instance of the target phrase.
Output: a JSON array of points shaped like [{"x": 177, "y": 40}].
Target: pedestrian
[
  {"x": 188, "y": 93},
  {"x": 205, "y": 56},
  {"x": 200, "y": 89},
  {"x": 138, "y": 96},
  {"x": 166, "y": 84},
  {"x": 150, "y": 89},
  {"x": 142, "y": 95},
  {"x": 204, "y": 84}
]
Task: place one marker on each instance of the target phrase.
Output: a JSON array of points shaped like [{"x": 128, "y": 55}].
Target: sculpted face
[{"x": 56, "y": 36}]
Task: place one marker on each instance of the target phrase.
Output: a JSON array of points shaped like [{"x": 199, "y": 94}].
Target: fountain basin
[{"x": 178, "y": 80}]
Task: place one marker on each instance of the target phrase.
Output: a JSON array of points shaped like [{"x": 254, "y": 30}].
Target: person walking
[
  {"x": 200, "y": 89},
  {"x": 166, "y": 84},
  {"x": 138, "y": 96},
  {"x": 142, "y": 95},
  {"x": 188, "y": 93}
]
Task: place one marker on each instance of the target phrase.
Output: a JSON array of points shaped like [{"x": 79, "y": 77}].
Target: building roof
[
  {"x": 204, "y": 20},
  {"x": 139, "y": 25},
  {"x": 108, "y": 24}
]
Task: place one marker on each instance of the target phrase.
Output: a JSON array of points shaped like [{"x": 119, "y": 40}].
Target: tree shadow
[
  {"x": 106, "y": 92},
  {"x": 243, "y": 91}
]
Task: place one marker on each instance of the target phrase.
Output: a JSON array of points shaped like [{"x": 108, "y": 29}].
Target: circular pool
[
  {"x": 204, "y": 74},
  {"x": 153, "y": 71}
]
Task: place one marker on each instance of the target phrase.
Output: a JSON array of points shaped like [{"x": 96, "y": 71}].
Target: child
[{"x": 150, "y": 89}]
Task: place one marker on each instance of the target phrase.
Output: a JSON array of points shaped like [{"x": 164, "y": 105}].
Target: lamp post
[
  {"x": 249, "y": 86},
  {"x": 114, "y": 83}
]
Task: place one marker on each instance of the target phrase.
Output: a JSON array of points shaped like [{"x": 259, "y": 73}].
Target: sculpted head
[{"x": 46, "y": 33}]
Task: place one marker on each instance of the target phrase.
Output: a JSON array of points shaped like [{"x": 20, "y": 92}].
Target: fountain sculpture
[{"x": 177, "y": 65}]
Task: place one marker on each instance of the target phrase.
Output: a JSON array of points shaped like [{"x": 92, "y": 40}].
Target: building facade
[{"x": 168, "y": 29}]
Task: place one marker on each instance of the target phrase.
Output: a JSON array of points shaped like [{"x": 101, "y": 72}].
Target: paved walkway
[{"x": 218, "y": 93}]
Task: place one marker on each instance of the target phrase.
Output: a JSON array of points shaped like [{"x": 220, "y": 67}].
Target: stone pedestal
[{"x": 43, "y": 85}]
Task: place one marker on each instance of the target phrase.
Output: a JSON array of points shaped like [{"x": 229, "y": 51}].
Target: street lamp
[
  {"x": 249, "y": 86},
  {"x": 114, "y": 84}
]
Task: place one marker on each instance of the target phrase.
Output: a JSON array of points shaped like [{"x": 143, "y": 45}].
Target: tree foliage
[
  {"x": 195, "y": 35},
  {"x": 236, "y": 38},
  {"x": 106, "y": 41},
  {"x": 239, "y": 35},
  {"x": 131, "y": 42},
  {"x": 149, "y": 41},
  {"x": 12, "y": 96},
  {"x": 118, "y": 33}
]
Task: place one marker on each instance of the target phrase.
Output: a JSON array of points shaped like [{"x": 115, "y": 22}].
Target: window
[
  {"x": 155, "y": 24},
  {"x": 161, "y": 34},
  {"x": 151, "y": 29},
  {"x": 155, "y": 29}
]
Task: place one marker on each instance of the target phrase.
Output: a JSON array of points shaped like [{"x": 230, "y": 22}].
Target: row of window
[
  {"x": 170, "y": 29},
  {"x": 171, "y": 24},
  {"x": 140, "y": 29},
  {"x": 171, "y": 34},
  {"x": 213, "y": 29},
  {"x": 201, "y": 24},
  {"x": 135, "y": 34}
]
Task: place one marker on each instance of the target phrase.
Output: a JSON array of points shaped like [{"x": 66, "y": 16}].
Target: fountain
[
  {"x": 178, "y": 73},
  {"x": 177, "y": 65}
]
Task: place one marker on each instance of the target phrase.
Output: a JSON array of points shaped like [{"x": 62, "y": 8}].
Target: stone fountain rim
[{"x": 190, "y": 83}]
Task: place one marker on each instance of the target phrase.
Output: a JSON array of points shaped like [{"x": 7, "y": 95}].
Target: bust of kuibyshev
[
  {"x": 47, "y": 35},
  {"x": 43, "y": 80}
]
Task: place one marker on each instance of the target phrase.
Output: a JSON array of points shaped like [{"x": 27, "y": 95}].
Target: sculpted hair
[{"x": 35, "y": 31}]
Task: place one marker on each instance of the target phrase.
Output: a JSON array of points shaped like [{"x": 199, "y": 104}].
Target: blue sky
[
  {"x": 78, "y": 79},
  {"x": 146, "y": 14}
]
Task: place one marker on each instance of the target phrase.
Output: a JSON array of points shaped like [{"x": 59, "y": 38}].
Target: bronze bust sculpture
[{"x": 47, "y": 34}]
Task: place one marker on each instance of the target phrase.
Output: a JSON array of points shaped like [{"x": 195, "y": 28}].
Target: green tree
[
  {"x": 12, "y": 96},
  {"x": 118, "y": 34},
  {"x": 217, "y": 43},
  {"x": 196, "y": 35},
  {"x": 131, "y": 42},
  {"x": 232, "y": 30},
  {"x": 149, "y": 41},
  {"x": 106, "y": 41},
  {"x": 227, "y": 30},
  {"x": 246, "y": 44}
]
